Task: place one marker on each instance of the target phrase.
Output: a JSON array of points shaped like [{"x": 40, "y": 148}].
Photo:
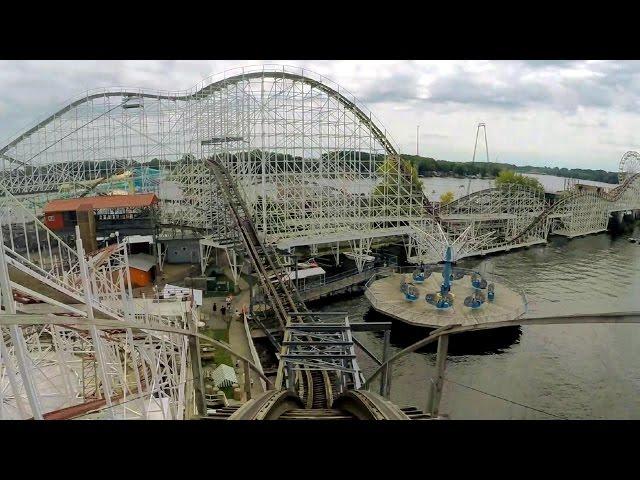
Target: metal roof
[
  {"x": 224, "y": 376},
  {"x": 139, "y": 239},
  {"x": 307, "y": 272},
  {"x": 142, "y": 261},
  {"x": 102, "y": 202},
  {"x": 302, "y": 273}
]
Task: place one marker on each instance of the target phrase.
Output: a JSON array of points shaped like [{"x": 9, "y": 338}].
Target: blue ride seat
[
  {"x": 474, "y": 301},
  {"x": 411, "y": 297},
  {"x": 443, "y": 303}
]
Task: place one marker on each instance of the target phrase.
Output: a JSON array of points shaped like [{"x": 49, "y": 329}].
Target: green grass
[
  {"x": 228, "y": 392},
  {"x": 221, "y": 356}
]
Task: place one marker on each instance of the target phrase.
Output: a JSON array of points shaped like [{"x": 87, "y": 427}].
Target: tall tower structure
[{"x": 475, "y": 148}]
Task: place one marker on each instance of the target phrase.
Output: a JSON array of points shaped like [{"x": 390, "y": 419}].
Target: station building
[
  {"x": 102, "y": 216},
  {"x": 127, "y": 214}
]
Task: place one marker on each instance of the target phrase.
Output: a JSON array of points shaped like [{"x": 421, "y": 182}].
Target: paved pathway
[{"x": 237, "y": 334}]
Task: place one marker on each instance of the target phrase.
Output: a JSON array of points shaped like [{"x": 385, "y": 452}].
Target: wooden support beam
[
  {"x": 436, "y": 386},
  {"x": 198, "y": 380},
  {"x": 247, "y": 379},
  {"x": 385, "y": 355}
]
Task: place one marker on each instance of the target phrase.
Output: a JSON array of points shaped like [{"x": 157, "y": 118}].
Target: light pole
[{"x": 417, "y": 140}]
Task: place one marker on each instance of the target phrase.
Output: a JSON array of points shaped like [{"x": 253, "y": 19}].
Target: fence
[
  {"x": 342, "y": 275},
  {"x": 254, "y": 353}
]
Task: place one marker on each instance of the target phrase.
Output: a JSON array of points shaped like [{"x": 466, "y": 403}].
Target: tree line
[
  {"x": 429, "y": 167},
  {"x": 366, "y": 162}
]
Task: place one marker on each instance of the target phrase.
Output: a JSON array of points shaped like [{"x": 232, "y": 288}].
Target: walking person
[
  {"x": 223, "y": 310},
  {"x": 215, "y": 307},
  {"x": 229, "y": 300}
]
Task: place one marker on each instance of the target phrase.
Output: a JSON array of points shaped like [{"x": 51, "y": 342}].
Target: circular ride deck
[{"x": 385, "y": 297}]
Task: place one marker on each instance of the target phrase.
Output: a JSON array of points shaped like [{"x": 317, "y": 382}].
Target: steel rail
[
  {"x": 225, "y": 182},
  {"x": 579, "y": 318},
  {"x": 242, "y": 218}
]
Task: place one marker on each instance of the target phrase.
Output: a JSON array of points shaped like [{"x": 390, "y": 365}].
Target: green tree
[
  {"x": 459, "y": 169},
  {"x": 388, "y": 173},
  {"x": 154, "y": 163},
  {"x": 509, "y": 177},
  {"x": 446, "y": 197},
  {"x": 397, "y": 177}
]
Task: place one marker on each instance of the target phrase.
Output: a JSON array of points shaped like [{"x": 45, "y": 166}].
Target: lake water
[
  {"x": 436, "y": 186},
  {"x": 577, "y": 371},
  {"x": 572, "y": 371}
]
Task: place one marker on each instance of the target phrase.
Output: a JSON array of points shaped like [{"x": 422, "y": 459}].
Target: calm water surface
[
  {"x": 574, "y": 371},
  {"x": 436, "y": 186}
]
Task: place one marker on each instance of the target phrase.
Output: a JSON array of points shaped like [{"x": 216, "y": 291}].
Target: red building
[{"x": 112, "y": 212}]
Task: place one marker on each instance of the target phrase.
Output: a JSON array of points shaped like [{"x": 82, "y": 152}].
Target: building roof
[
  {"x": 142, "y": 261},
  {"x": 174, "y": 290},
  {"x": 224, "y": 376},
  {"x": 102, "y": 202},
  {"x": 302, "y": 273},
  {"x": 307, "y": 272},
  {"x": 138, "y": 239}
]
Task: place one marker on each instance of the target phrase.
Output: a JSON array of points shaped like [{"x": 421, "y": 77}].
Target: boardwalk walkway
[{"x": 341, "y": 283}]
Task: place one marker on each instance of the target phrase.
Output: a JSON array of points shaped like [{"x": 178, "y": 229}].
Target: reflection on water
[{"x": 574, "y": 371}]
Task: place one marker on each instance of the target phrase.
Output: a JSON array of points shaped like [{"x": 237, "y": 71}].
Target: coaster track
[
  {"x": 611, "y": 196},
  {"x": 283, "y": 297}
]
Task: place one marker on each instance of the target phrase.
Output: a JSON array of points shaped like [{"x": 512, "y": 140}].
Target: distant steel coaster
[{"x": 629, "y": 165}]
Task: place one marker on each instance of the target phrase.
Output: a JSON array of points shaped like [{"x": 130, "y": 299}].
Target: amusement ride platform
[{"x": 386, "y": 297}]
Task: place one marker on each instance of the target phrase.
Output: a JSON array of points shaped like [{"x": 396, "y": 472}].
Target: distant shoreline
[
  {"x": 459, "y": 177},
  {"x": 476, "y": 177},
  {"x": 427, "y": 166}
]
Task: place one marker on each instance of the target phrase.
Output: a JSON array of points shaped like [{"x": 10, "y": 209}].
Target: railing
[
  {"x": 252, "y": 349},
  {"x": 442, "y": 334},
  {"x": 162, "y": 353},
  {"x": 341, "y": 276}
]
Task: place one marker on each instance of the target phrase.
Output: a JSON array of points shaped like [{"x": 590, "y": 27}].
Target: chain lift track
[{"x": 300, "y": 351}]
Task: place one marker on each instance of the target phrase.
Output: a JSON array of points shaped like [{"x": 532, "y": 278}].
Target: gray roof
[
  {"x": 224, "y": 376},
  {"x": 142, "y": 261}
]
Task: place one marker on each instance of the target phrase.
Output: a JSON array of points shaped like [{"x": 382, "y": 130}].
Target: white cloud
[{"x": 572, "y": 113}]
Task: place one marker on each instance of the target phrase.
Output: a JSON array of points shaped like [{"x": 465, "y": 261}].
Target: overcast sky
[{"x": 554, "y": 113}]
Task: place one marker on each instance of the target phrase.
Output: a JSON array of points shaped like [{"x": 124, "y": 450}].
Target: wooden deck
[{"x": 385, "y": 297}]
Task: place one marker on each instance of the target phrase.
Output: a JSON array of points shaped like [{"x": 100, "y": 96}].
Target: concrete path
[{"x": 237, "y": 334}]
